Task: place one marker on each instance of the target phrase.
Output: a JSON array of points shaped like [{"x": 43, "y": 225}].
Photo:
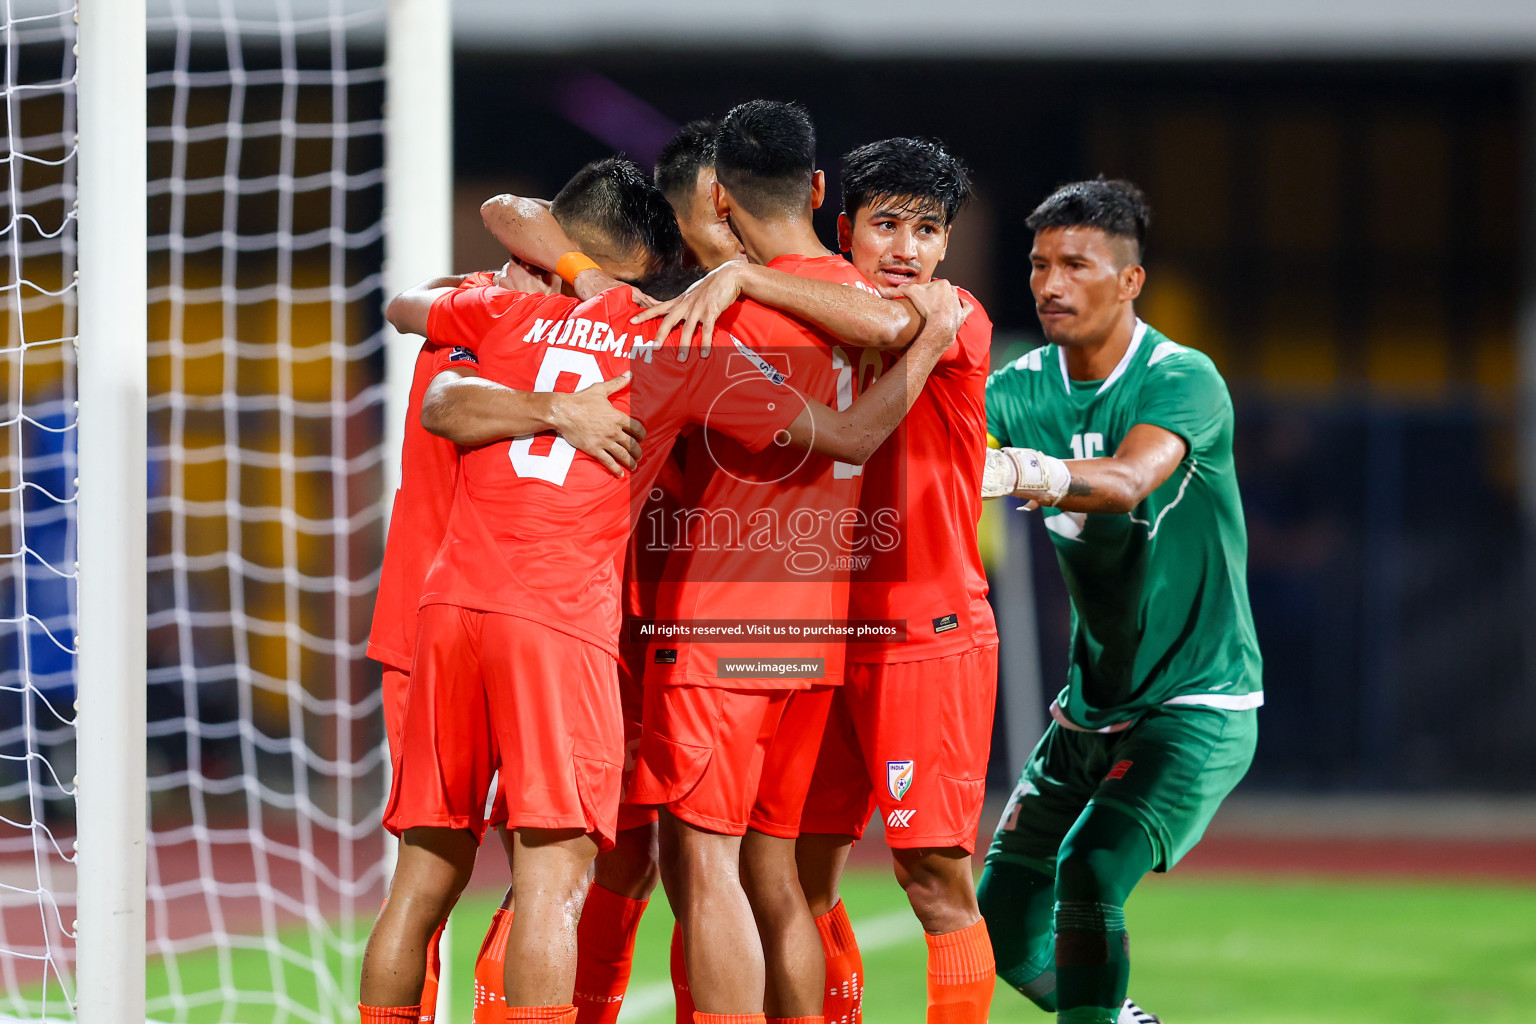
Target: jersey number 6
[{"x": 556, "y": 463}]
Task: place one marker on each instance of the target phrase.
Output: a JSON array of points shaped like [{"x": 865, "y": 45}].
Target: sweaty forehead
[{"x": 913, "y": 208}]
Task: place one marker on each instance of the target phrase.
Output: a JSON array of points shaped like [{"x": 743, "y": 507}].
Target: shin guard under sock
[
  {"x": 844, "y": 999},
  {"x": 434, "y": 971},
  {"x": 1100, "y": 861},
  {"x": 960, "y": 976},
  {"x": 1093, "y": 962},
  {"x": 490, "y": 979},
  {"x": 1019, "y": 905},
  {"x": 605, "y": 953},
  {"x": 680, "y": 992}
]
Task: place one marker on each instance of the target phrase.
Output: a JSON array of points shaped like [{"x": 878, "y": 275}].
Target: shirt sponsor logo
[
  {"x": 1118, "y": 771},
  {"x": 945, "y": 623},
  {"x": 666, "y": 656},
  {"x": 901, "y": 817},
  {"x": 898, "y": 778},
  {"x": 460, "y": 354}
]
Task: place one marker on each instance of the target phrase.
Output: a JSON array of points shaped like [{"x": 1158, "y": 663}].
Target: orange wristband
[{"x": 572, "y": 264}]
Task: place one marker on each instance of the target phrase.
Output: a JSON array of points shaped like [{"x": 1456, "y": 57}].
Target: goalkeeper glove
[{"x": 1026, "y": 472}]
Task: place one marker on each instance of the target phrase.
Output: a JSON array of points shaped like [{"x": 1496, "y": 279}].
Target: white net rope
[
  {"x": 265, "y": 144},
  {"x": 265, "y": 360},
  {"x": 37, "y": 488}
]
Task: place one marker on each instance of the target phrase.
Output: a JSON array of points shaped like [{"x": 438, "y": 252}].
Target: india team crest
[{"x": 898, "y": 778}]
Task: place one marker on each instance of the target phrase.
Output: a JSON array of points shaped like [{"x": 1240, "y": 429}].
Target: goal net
[
  {"x": 37, "y": 486},
  {"x": 266, "y": 773}
]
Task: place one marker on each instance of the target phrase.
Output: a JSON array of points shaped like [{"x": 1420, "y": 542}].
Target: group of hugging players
[{"x": 682, "y": 584}]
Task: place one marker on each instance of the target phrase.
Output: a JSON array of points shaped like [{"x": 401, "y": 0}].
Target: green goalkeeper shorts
[{"x": 1169, "y": 771}]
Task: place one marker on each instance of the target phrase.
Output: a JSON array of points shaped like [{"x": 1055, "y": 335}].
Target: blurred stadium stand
[{"x": 1344, "y": 236}]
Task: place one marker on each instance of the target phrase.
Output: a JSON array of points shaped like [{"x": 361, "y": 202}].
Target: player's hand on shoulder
[
  {"x": 591, "y": 423},
  {"x": 593, "y": 281},
  {"x": 698, "y": 307}
]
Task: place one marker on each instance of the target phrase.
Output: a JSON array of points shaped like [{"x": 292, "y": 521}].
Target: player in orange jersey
[
  {"x": 910, "y": 731},
  {"x": 625, "y": 876},
  {"x": 428, "y": 467},
  {"x": 513, "y": 666},
  {"x": 729, "y": 739}
]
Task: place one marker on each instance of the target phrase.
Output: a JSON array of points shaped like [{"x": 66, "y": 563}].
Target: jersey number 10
[{"x": 850, "y": 384}]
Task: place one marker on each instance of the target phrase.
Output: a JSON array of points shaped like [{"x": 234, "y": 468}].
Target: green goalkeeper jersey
[{"x": 1159, "y": 595}]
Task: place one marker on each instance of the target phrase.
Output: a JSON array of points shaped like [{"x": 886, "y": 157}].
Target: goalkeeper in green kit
[{"x": 1123, "y": 438}]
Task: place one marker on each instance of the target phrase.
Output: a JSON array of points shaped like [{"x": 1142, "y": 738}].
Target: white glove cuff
[
  {"x": 999, "y": 475},
  {"x": 1044, "y": 477},
  {"x": 1058, "y": 478}
]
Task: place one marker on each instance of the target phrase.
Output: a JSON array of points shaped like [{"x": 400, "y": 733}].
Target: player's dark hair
[
  {"x": 681, "y": 159},
  {"x": 916, "y": 174},
  {"x": 670, "y": 282},
  {"x": 613, "y": 197},
  {"x": 765, "y": 154},
  {"x": 1117, "y": 208}
]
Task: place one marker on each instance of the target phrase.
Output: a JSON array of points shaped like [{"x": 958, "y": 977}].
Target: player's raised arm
[
  {"x": 849, "y": 314},
  {"x": 473, "y": 411},
  {"x": 853, "y": 435},
  {"x": 408, "y": 311},
  {"x": 1146, "y": 458},
  {"x": 531, "y": 234}
]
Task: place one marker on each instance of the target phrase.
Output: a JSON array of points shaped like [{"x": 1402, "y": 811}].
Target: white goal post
[
  {"x": 418, "y": 172},
  {"x": 111, "y": 687},
  {"x": 242, "y": 206},
  {"x": 418, "y": 217}
]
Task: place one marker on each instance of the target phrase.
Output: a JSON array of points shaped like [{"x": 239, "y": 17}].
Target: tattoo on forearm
[{"x": 1077, "y": 487}]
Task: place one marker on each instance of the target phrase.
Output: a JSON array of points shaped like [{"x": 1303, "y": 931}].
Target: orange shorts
[
  {"x": 724, "y": 759},
  {"x": 911, "y": 738},
  {"x": 632, "y": 699},
  {"x": 493, "y": 691},
  {"x": 397, "y": 687},
  {"x": 790, "y": 762}
]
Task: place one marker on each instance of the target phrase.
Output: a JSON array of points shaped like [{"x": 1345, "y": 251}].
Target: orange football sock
[
  {"x": 684, "y": 998},
  {"x": 389, "y": 1014},
  {"x": 490, "y": 986},
  {"x": 844, "y": 1002},
  {"x": 797, "y": 1020},
  {"x": 434, "y": 969},
  {"x": 605, "y": 953},
  {"x": 960, "y": 976},
  {"x": 728, "y": 1018},
  {"x": 540, "y": 1014}
]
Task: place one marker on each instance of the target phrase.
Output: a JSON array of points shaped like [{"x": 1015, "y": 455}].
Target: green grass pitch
[{"x": 1204, "y": 951}]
